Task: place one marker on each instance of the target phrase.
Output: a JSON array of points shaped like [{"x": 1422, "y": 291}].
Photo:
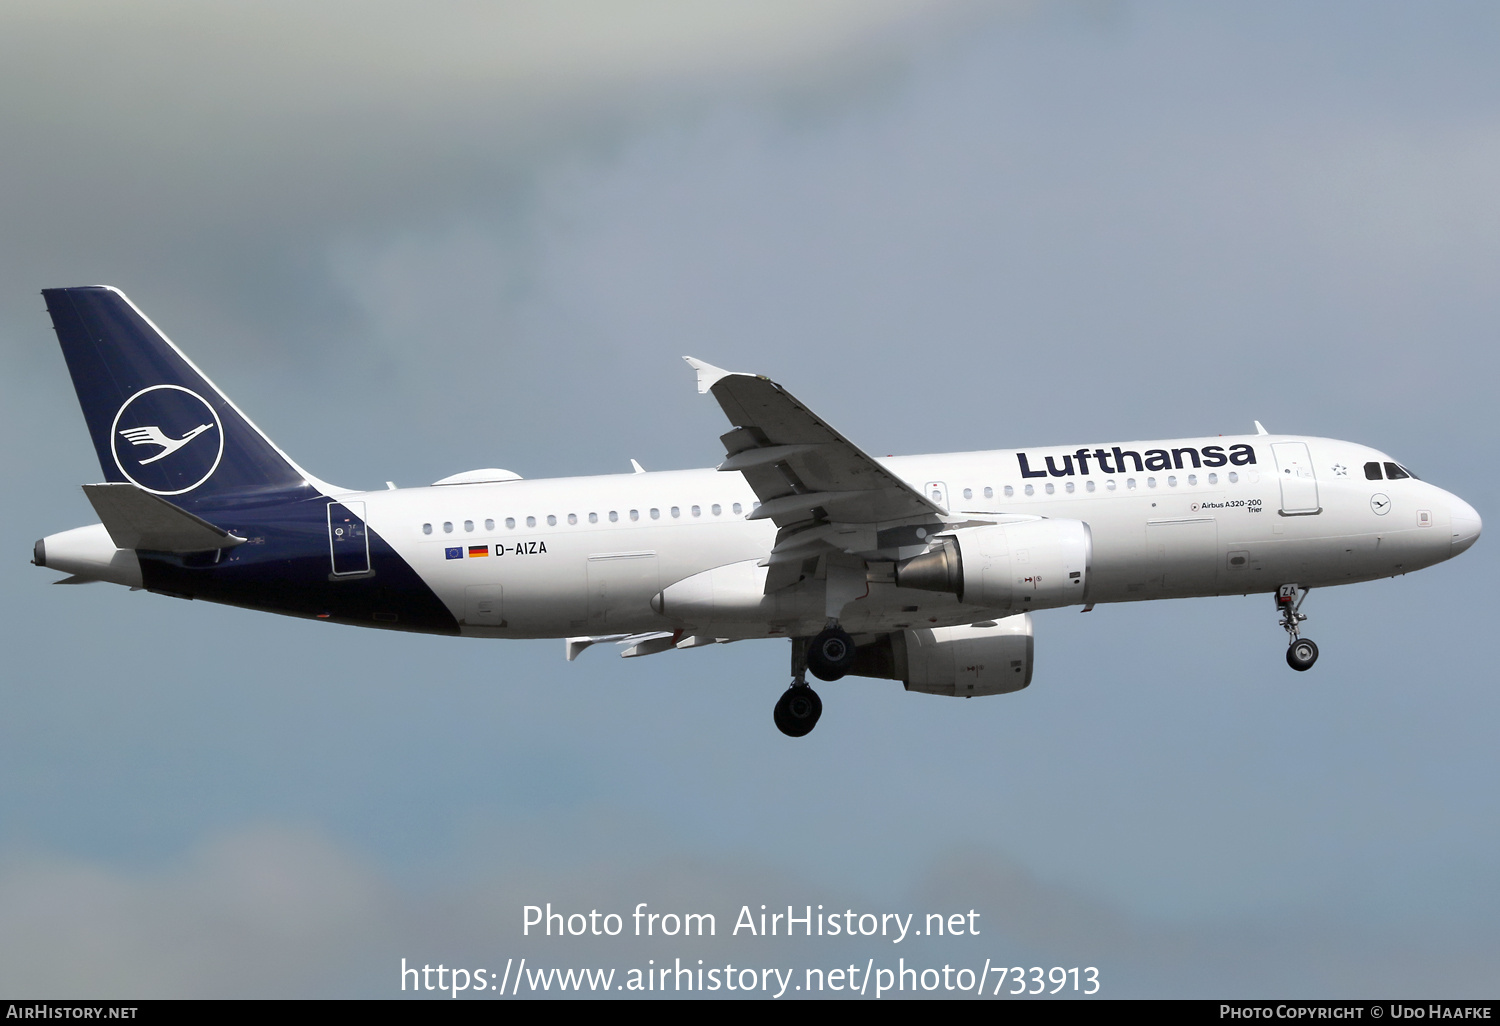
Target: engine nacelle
[
  {"x": 1032, "y": 564},
  {"x": 963, "y": 662}
]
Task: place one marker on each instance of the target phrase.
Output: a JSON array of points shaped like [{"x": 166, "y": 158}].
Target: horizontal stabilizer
[{"x": 136, "y": 519}]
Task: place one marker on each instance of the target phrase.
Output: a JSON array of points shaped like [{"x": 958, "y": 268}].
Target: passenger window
[
  {"x": 1130, "y": 483},
  {"x": 697, "y": 511},
  {"x": 447, "y": 527},
  {"x": 1372, "y": 471},
  {"x": 989, "y": 493},
  {"x": 551, "y": 520},
  {"x": 1234, "y": 477},
  {"x": 1009, "y": 491},
  {"x": 736, "y": 508},
  {"x": 968, "y": 493},
  {"x": 614, "y": 516},
  {"x": 1213, "y": 478},
  {"x": 1192, "y": 479},
  {"x": 716, "y": 509},
  {"x": 426, "y": 528},
  {"x": 1030, "y": 490},
  {"x": 489, "y": 525},
  {"x": 1089, "y": 487},
  {"x": 510, "y": 523},
  {"x": 1110, "y": 484},
  {"x": 1068, "y": 487},
  {"x": 655, "y": 513},
  {"x": 593, "y": 518},
  {"x": 468, "y": 525},
  {"x": 531, "y": 521},
  {"x": 635, "y": 514},
  {"x": 1395, "y": 473},
  {"x": 1150, "y": 482},
  {"x": 676, "y": 512},
  {"x": 572, "y": 518},
  {"x": 1171, "y": 480},
  {"x": 1051, "y": 488}
]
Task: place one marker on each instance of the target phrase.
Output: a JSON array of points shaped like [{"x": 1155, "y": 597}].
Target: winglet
[
  {"x": 1260, "y": 429},
  {"x": 708, "y": 374}
]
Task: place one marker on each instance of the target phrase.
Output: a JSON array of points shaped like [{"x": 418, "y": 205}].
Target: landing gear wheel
[
  {"x": 830, "y": 655},
  {"x": 1302, "y": 654},
  {"x": 797, "y": 711}
]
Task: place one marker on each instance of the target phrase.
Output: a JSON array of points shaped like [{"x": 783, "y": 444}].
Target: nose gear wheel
[{"x": 1301, "y": 653}]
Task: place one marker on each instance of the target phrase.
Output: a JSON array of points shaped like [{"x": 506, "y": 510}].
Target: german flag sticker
[{"x": 478, "y": 550}]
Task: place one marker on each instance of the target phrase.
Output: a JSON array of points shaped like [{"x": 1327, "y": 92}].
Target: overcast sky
[{"x": 411, "y": 240}]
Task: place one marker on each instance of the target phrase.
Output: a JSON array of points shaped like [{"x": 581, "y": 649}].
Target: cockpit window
[
  {"x": 1395, "y": 473},
  {"x": 1372, "y": 471}
]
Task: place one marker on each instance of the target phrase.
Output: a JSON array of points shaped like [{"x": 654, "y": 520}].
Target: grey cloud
[{"x": 277, "y": 911}]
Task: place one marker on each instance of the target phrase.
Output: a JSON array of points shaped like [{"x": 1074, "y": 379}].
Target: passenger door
[
  {"x": 1299, "y": 485},
  {"x": 348, "y": 543}
]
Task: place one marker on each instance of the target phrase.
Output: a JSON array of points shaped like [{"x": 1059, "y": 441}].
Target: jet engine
[
  {"x": 1030, "y": 564},
  {"x": 963, "y": 662}
]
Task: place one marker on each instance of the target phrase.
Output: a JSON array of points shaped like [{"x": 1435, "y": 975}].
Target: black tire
[
  {"x": 830, "y": 655},
  {"x": 1301, "y": 654},
  {"x": 797, "y": 711}
]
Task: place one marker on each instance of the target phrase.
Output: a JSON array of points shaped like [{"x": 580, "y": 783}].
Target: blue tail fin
[{"x": 155, "y": 419}]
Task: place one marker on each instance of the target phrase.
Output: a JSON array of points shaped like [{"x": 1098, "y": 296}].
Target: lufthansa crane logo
[{"x": 167, "y": 439}]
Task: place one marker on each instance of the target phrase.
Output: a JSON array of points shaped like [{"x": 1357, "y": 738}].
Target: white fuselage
[{"x": 575, "y": 556}]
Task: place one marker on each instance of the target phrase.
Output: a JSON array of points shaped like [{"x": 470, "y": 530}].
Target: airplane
[{"x": 921, "y": 569}]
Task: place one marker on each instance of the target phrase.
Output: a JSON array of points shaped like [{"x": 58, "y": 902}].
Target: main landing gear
[
  {"x": 797, "y": 710},
  {"x": 1301, "y": 653},
  {"x": 829, "y": 656}
]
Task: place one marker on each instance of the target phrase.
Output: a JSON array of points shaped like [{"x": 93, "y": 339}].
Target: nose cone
[{"x": 1466, "y": 525}]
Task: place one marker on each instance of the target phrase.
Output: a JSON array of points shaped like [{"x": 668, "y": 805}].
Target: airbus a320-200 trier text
[{"x": 922, "y": 569}]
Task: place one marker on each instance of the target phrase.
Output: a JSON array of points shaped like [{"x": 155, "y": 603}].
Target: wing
[
  {"x": 813, "y": 483},
  {"x": 801, "y": 469}
]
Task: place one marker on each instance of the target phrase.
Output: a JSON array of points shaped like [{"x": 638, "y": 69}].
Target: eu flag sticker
[{"x": 456, "y": 552}]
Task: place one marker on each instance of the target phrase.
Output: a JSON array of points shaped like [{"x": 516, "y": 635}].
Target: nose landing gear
[{"x": 1301, "y": 653}]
